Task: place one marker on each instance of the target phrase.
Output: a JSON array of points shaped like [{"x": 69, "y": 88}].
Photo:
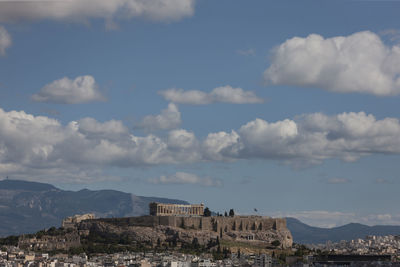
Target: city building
[{"x": 263, "y": 260}]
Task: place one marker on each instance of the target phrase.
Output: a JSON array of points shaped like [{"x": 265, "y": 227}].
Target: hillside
[
  {"x": 27, "y": 207},
  {"x": 305, "y": 234}
]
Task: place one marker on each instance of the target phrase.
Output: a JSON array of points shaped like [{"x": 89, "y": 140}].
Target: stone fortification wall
[
  {"x": 48, "y": 242},
  {"x": 254, "y": 229},
  {"x": 217, "y": 224},
  {"x": 70, "y": 222}
]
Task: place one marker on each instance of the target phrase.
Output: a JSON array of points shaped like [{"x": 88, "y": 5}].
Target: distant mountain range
[
  {"x": 26, "y": 207},
  {"x": 305, "y": 234}
]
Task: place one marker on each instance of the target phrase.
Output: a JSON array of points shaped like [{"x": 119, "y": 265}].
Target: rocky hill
[
  {"x": 26, "y": 207},
  {"x": 253, "y": 234},
  {"x": 262, "y": 231}
]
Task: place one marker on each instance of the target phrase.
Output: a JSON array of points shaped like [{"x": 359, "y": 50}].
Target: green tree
[
  {"x": 207, "y": 212},
  {"x": 231, "y": 212},
  {"x": 276, "y": 243}
]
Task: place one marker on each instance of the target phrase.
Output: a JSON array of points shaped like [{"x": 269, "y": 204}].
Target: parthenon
[{"x": 162, "y": 209}]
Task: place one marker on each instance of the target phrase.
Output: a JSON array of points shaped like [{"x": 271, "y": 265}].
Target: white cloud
[
  {"x": 263, "y": 139},
  {"x": 66, "y": 91},
  {"x": 312, "y": 138},
  {"x": 109, "y": 129},
  {"x": 39, "y": 145},
  {"x": 228, "y": 94},
  {"x": 222, "y": 146},
  {"x": 358, "y": 63},
  {"x": 225, "y": 94},
  {"x": 186, "y": 178},
  {"x": 5, "y": 40},
  {"x": 170, "y": 118},
  {"x": 84, "y": 10},
  {"x": 184, "y": 145},
  {"x": 181, "y": 139},
  {"x": 381, "y": 219}
]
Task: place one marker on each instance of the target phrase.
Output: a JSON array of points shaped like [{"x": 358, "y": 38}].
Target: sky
[{"x": 290, "y": 108}]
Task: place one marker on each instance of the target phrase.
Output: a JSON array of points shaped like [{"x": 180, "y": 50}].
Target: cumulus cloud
[
  {"x": 310, "y": 138},
  {"x": 170, "y": 118},
  {"x": 222, "y": 146},
  {"x": 38, "y": 144},
  {"x": 225, "y": 94},
  {"x": 186, "y": 178},
  {"x": 66, "y": 91},
  {"x": 5, "y": 40},
  {"x": 358, "y": 63},
  {"x": 84, "y": 10},
  {"x": 184, "y": 145},
  {"x": 109, "y": 129}
]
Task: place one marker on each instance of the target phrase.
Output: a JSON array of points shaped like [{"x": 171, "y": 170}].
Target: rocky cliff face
[{"x": 255, "y": 230}]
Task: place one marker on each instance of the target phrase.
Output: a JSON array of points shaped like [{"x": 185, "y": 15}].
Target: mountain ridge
[
  {"x": 27, "y": 207},
  {"x": 305, "y": 234}
]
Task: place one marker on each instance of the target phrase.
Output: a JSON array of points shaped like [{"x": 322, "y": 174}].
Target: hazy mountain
[
  {"x": 305, "y": 234},
  {"x": 27, "y": 207}
]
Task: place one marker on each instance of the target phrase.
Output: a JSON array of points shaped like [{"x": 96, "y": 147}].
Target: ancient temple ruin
[{"x": 162, "y": 209}]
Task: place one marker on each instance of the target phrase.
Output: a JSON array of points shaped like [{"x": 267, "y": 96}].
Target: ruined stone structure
[
  {"x": 214, "y": 223},
  {"x": 70, "y": 222},
  {"x": 255, "y": 229},
  {"x": 48, "y": 242},
  {"x": 162, "y": 209}
]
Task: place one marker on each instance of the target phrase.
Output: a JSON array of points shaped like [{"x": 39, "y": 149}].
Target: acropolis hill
[{"x": 175, "y": 224}]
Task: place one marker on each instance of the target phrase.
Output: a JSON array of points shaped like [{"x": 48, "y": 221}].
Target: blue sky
[{"x": 288, "y": 107}]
